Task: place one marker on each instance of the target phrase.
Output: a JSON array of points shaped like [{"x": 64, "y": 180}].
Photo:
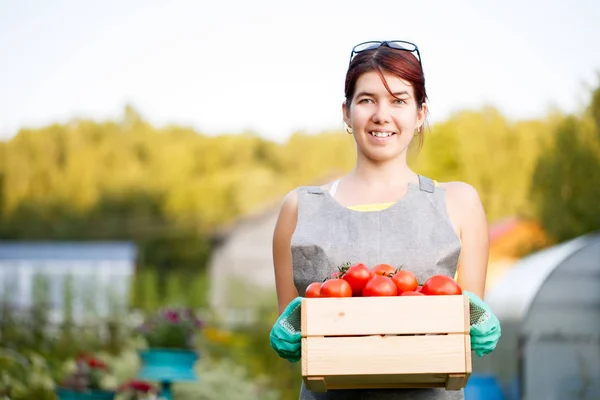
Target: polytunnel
[{"x": 548, "y": 304}]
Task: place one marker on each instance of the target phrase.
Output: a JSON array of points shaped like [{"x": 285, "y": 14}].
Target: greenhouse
[{"x": 549, "y": 307}]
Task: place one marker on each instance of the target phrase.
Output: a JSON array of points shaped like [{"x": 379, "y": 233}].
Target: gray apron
[{"x": 415, "y": 232}]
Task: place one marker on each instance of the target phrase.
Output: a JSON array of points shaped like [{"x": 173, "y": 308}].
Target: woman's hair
[{"x": 401, "y": 63}]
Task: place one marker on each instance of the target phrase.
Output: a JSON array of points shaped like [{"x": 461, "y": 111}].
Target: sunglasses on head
[{"x": 392, "y": 44}]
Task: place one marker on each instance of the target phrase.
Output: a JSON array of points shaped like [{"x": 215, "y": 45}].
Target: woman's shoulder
[
  {"x": 460, "y": 196},
  {"x": 288, "y": 214},
  {"x": 459, "y": 189},
  {"x": 290, "y": 200}
]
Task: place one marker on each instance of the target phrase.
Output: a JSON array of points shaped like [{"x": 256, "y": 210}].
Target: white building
[{"x": 93, "y": 276}]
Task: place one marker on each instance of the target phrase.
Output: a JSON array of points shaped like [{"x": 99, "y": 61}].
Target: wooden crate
[{"x": 386, "y": 342}]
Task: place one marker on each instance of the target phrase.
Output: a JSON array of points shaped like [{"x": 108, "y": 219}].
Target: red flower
[
  {"x": 95, "y": 363},
  {"x": 139, "y": 386},
  {"x": 91, "y": 362}
]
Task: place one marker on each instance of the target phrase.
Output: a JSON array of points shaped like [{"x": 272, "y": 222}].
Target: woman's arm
[
  {"x": 466, "y": 209},
  {"x": 282, "y": 254}
]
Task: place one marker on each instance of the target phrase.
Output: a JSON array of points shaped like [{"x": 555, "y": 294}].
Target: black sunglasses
[{"x": 392, "y": 44}]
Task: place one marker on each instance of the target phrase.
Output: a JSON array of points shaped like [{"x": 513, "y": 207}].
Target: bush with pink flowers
[{"x": 171, "y": 328}]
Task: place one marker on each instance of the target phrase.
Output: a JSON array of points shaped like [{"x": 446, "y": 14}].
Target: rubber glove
[
  {"x": 286, "y": 333},
  {"x": 485, "y": 327}
]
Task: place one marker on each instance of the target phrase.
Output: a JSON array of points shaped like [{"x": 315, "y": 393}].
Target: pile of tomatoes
[{"x": 358, "y": 280}]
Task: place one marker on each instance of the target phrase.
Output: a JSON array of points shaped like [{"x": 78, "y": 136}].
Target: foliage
[
  {"x": 227, "y": 379},
  {"x": 87, "y": 374},
  {"x": 566, "y": 180},
  {"x": 168, "y": 188},
  {"x": 243, "y": 367},
  {"x": 24, "y": 376}
]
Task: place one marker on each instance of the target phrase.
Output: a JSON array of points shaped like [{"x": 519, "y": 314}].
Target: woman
[{"x": 381, "y": 211}]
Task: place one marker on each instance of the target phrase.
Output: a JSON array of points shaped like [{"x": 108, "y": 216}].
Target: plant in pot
[
  {"x": 171, "y": 328},
  {"x": 170, "y": 356},
  {"x": 85, "y": 381}
]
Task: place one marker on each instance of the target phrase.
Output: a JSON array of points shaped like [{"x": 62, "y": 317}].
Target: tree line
[{"x": 169, "y": 188}]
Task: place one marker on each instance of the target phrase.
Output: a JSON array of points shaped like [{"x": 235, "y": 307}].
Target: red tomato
[
  {"x": 441, "y": 285},
  {"x": 335, "y": 288},
  {"x": 380, "y": 286},
  {"x": 384, "y": 270},
  {"x": 411, "y": 293},
  {"x": 419, "y": 288},
  {"x": 405, "y": 281},
  {"x": 357, "y": 276},
  {"x": 314, "y": 290}
]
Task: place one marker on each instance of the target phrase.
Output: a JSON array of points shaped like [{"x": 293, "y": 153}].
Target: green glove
[
  {"x": 485, "y": 327},
  {"x": 286, "y": 335}
]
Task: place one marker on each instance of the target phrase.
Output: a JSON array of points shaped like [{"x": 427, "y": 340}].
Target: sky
[{"x": 277, "y": 67}]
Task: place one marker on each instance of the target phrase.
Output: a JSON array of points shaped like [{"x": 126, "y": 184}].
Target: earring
[
  {"x": 417, "y": 131},
  {"x": 349, "y": 131}
]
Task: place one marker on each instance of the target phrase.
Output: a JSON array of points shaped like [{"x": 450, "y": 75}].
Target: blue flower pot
[
  {"x": 67, "y": 394},
  {"x": 483, "y": 387},
  {"x": 168, "y": 365}
]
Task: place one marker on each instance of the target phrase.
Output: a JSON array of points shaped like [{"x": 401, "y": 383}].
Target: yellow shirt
[
  {"x": 371, "y": 207},
  {"x": 377, "y": 206}
]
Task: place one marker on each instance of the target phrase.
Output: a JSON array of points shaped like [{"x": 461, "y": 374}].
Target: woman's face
[{"x": 383, "y": 125}]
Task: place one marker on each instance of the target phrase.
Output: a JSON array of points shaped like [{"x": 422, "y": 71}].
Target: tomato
[
  {"x": 335, "y": 288},
  {"x": 405, "y": 281},
  {"x": 357, "y": 276},
  {"x": 411, "y": 293},
  {"x": 384, "y": 269},
  {"x": 441, "y": 285},
  {"x": 380, "y": 286},
  {"x": 419, "y": 288},
  {"x": 314, "y": 290}
]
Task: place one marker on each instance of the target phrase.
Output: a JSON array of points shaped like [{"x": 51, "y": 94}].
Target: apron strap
[
  {"x": 426, "y": 184},
  {"x": 314, "y": 190}
]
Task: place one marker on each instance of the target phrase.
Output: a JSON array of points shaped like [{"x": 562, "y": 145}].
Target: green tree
[{"x": 566, "y": 181}]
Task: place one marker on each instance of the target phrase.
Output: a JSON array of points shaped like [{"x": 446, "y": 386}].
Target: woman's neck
[{"x": 390, "y": 173}]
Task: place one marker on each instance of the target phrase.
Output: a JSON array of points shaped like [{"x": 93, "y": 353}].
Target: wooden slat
[
  {"x": 383, "y": 315},
  {"x": 305, "y": 305},
  {"x": 304, "y": 360},
  {"x": 468, "y": 363},
  {"x": 467, "y": 308},
  {"x": 390, "y": 381},
  {"x": 375, "y": 355}
]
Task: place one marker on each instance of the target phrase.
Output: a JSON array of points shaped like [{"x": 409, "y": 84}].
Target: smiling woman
[
  {"x": 381, "y": 211},
  {"x": 382, "y": 116}
]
